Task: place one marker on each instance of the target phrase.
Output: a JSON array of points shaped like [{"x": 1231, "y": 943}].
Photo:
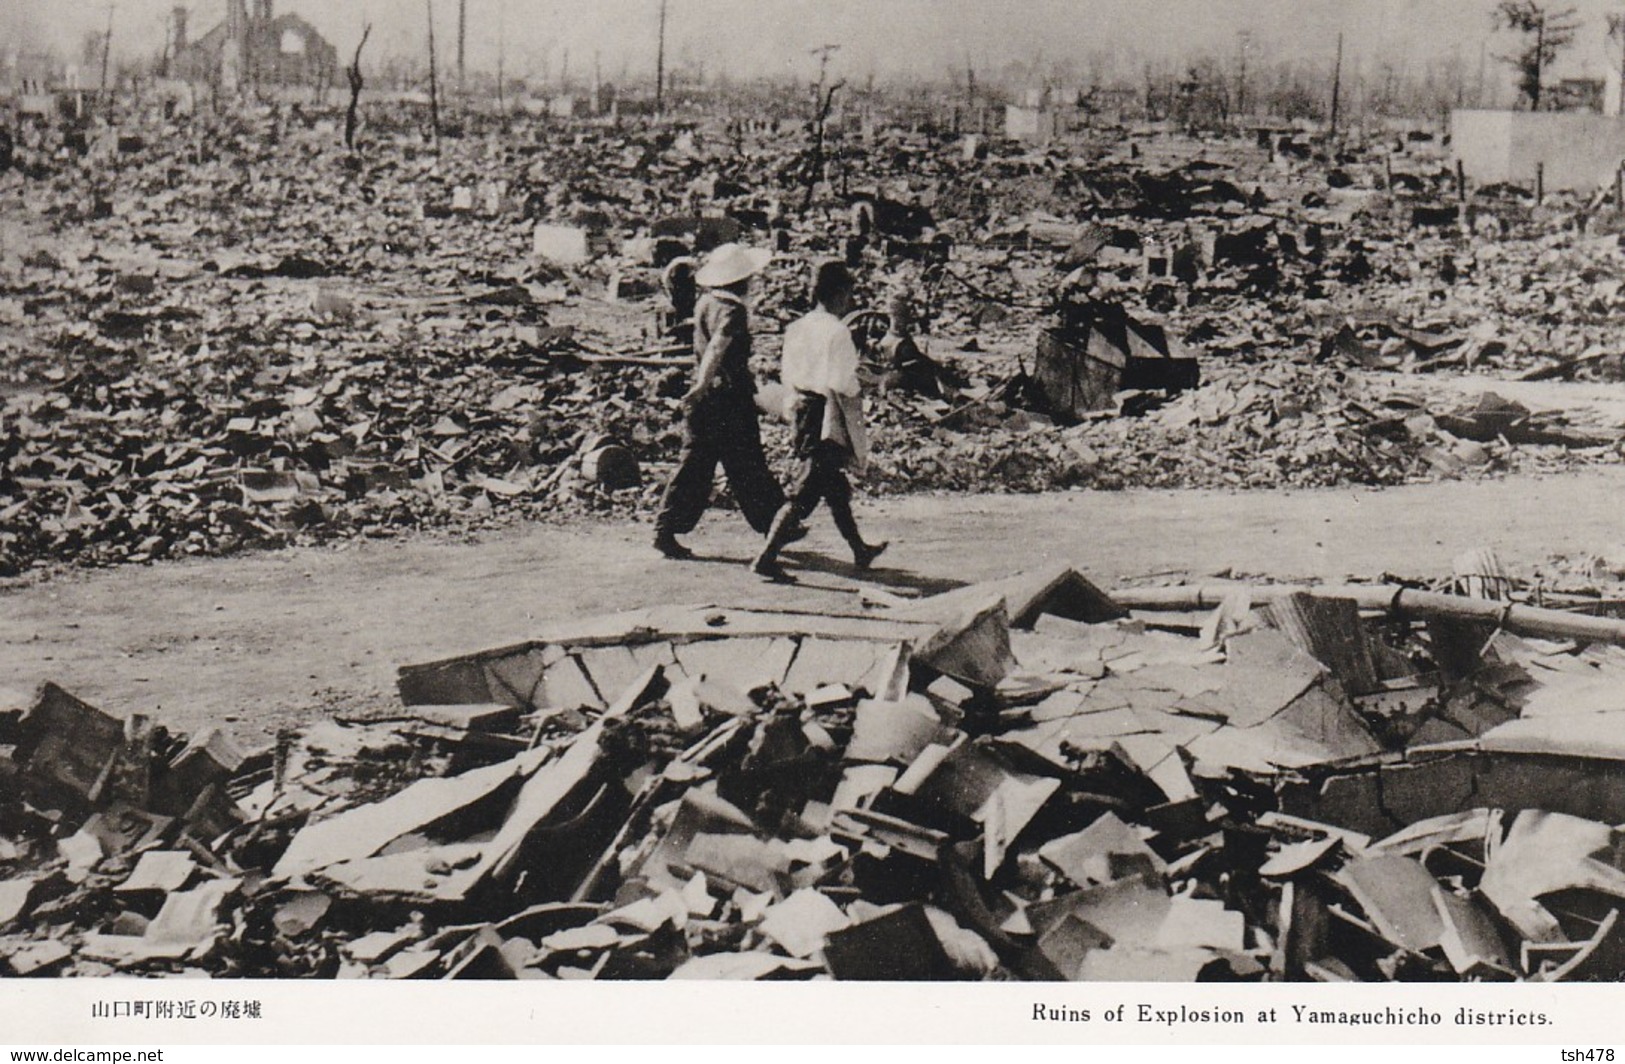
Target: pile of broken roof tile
[
  {"x": 1023, "y": 780},
  {"x": 203, "y": 350}
]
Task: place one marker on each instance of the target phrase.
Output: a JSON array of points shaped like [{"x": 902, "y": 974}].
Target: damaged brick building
[{"x": 256, "y": 50}]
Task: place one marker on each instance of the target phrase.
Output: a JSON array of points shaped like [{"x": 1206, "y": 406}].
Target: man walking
[
  {"x": 821, "y": 367},
  {"x": 720, "y": 423}
]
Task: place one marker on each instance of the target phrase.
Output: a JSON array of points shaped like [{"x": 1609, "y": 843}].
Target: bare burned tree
[
  {"x": 823, "y": 101},
  {"x": 354, "y": 74},
  {"x": 1549, "y": 32}
]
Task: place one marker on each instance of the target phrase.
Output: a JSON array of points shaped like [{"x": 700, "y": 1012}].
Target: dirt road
[{"x": 254, "y": 641}]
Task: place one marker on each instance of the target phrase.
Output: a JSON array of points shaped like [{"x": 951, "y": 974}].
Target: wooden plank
[{"x": 1330, "y": 631}]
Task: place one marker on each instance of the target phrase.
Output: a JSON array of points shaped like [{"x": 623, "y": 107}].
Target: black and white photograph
[{"x": 813, "y": 491}]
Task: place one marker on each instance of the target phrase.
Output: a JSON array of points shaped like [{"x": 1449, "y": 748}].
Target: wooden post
[
  {"x": 434, "y": 91},
  {"x": 462, "y": 37},
  {"x": 1461, "y": 181},
  {"x": 1540, "y": 183},
  {"x": 1619, "y": 189},
  {"x": 1337, "y": 85},
  {"x": 1245, "y": 38},
  {"x": 1540, "y": 51},
  {"x": 1616, "y": 27},
  {"x": 660, "y": 65},
  {"x": 107, "y": 49},
  {"x": 502, "y": 105},
  {"x": 169, "y": 40}
]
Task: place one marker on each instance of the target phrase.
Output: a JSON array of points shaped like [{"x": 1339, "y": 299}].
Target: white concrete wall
[
  {"x": 1025, "y": 123},
  {"x": 1580, "y": 151}
]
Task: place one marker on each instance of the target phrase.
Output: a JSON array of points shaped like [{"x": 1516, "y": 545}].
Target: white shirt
[{"x": 819, "y": 356}]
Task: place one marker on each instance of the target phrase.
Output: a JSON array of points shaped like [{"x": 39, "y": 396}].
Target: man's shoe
[
  {"x": 771, "y": 570},
  {"x": 865, "y": 554},
  {"x": 668, "y": 545}
]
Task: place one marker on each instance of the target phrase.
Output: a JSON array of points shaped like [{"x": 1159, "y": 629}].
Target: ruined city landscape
[{"x": 1245, "y": 429}]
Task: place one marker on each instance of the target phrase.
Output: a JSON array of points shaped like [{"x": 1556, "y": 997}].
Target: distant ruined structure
[{"x": 254, "y": 51}]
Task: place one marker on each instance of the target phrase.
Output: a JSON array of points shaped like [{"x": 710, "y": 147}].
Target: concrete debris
[
  {"x": 748, "y": 795},
  {"x": 1098, "y": 351}
]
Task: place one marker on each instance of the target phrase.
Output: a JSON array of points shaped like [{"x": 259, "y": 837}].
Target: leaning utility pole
[
  {"x": 660, "y": 65},
  {"x": 1337, "y": 83},
  {"x": 434, "y": 91}
]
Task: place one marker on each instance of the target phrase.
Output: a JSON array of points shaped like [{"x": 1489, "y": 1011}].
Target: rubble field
[
  {"x": 229, "y": 333},
  {"x": 1030, "y": 779}
]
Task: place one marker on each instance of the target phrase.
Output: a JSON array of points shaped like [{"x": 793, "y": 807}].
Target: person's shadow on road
[
  {"x": 896, "y": 579},
  {"x": 713, "y": 559}
]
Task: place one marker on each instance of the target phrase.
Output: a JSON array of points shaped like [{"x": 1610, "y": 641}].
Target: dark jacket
[{"x": 721, "y": 316}]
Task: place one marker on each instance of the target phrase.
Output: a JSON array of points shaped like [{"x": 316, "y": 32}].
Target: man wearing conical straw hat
[{"x": 719, "y": 424}]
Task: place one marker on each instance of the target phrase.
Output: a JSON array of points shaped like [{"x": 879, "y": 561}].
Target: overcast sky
[{"x": 903, "y": 37}]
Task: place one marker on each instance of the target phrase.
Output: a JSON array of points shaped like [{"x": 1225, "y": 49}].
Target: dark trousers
[
  {"x": 822, "y": 478},
  {"x": 720, "y": 429},
  {"x": 822, "y": 474}
]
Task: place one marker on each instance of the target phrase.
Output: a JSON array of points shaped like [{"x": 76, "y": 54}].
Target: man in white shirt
[{"x": 820, "y": 365}]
